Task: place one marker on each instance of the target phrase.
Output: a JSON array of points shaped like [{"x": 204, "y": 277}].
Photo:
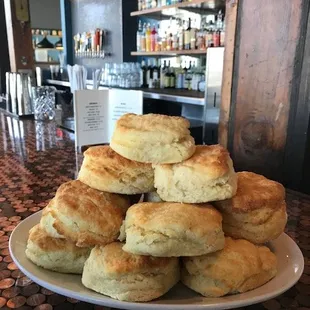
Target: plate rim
[{"x": 114, "y": 303}]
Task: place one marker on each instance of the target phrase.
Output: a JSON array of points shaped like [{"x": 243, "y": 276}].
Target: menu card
[{"x": 96, "y": 112}]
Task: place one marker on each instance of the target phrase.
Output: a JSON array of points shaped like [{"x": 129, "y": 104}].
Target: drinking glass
[{"x": 43, "y": 102}]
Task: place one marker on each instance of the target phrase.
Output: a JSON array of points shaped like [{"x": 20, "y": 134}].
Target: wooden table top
[{"x": 35, "y": 158}]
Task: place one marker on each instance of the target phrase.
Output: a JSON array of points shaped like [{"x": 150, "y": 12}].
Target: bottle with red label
[
  {"x": 216, "y": 38},
  {"x": 153, "y": 39}
]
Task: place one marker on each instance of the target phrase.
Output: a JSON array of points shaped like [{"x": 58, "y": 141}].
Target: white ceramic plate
[{"x": 290, "y": 268}]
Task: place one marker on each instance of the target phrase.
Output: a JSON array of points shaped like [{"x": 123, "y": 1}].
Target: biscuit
[
  {"x": 128, "y": 277},
  {"x": 47, "y": 221},
  {"x": 153, "y": 138},
  {"x": 239, "y": 267},
  {"x": 55, "y": 254},
  {"x": 207, "y": 176},
  {"x": 258, "y": 210},
  {"x": 87, "y": 216},
  {"x": 172, "y": 229},
  {"x": 105, "y": 170}
]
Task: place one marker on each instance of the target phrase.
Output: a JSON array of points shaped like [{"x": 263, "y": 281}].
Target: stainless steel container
[
  {"x": 8, "y": 92},
  {"x": 13, "y": 92},
  {"x": 24, "y": 94},
  {"x": 19, "y": 93}
]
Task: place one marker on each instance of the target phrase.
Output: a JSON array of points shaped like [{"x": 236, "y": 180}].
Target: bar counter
[{"x": 35, "y": 158}]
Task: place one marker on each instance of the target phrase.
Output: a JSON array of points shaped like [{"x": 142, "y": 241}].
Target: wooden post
[
  {"x": 256, "y": 108},
  {"x": 19, "y": 34}
]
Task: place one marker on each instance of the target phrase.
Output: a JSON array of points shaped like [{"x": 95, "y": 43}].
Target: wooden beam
[
  {"x": 19, "y": 39},
  {"x": 266, "y": 53},
  {"x": 231, "y": 20}
]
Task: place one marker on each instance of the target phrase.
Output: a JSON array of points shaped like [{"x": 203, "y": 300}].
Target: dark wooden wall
[
  {"x": 268, "y": 59},
  {"x": 4, "y": 52},
  {"x": 19, "y": 40}
]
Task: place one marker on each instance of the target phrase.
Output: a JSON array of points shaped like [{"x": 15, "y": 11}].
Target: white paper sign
[{"x": 96, "y": 112}]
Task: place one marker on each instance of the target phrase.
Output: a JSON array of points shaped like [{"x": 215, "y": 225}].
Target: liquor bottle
[
  {"x": 193, "y": 34},
  {"x": 158, "y": 42},
  {"x": 164, "y": 42},
  {"x": 148, "y": 38},
  {"x": 167, "y": 78},
  {"x": 143, "y": 4},
  {"x": 169, "y": 42},
  {"x": 179, "y": 78},
  {"x": 185, "y": 67},
  {"x": 216, "y": 38},
  {"x": 154, "y": 4},
  {"x": 187, "y": 36},
  {"x": 175, "y": 42},
  {"x": 189, "y": 76},
  {"x": 172, "y": 78},
  {"x": 210, "y": 38},
  {"x": 139, "y": 33},
  {"x": 162, "y": 75},
  {"x": 155, "y": 74},
  {"x": 180, "y": 36},
  {"x": 143, "y": 38},
  {"x": 140, "y": 5},
  {"x": 168, "y": 2},
  {"x": 153, "y": 39},
  {"x": 219, "y": 21},
  {"x": 149, "y": 73},
  {"x": 143, "y": 72}
]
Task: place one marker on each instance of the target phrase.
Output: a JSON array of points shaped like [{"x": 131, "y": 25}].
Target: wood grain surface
[
  {"x": 230, "y": 20},
  {"x": 268, "y": 35},
  {"x": 19, "y": 39}
]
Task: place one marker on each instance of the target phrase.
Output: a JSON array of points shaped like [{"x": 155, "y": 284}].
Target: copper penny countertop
[{"x": 35, "y": 158}]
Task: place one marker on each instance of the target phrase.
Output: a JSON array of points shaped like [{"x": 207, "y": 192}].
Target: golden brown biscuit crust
[
  {"x": 105, "y": 155},
  {"x": 46, "y": 243},
  {"x": 118, "y": 262},
  {"x": 211, "y": 160},
  {"x": 159, "y": 124},
  {"x": 176, "y": 216},
  {"x": 105, "y": 170},
  {"x": 87, "y": 216},
  {"x": 166, "y": 229},
  {"x": 239, "y": 267},
  {"x": 254, "y": 192},
  {"x": 153, "y": 138}
]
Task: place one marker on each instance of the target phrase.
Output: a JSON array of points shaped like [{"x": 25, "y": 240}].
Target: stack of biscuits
[{"x": 195, "y": 219}]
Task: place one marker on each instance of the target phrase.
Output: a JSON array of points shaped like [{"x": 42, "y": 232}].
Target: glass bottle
[
  {"x": 148, "y": 38},
  {"x": 153, "y": 39},
  {"x": 172, "y": 78},
  {"x": 143, "y": 38},
  {"x": 164, "y": 42},
  {"x": 139, "y": 33},
  {"x": 143, "y": 74},
  {"x": 180, "y": 36},
  {"x": 158, "y": 42},
  {"x": 187, "y": 36}
]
